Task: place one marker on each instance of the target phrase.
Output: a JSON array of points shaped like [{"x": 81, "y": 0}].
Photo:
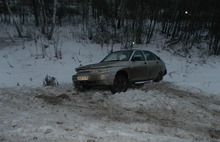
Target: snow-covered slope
[
  {"x": 22, "y": 65},
  {"x": 185, "y": 107}
]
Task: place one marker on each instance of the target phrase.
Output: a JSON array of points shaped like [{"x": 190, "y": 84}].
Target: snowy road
[{"x": 152, "y": 113}]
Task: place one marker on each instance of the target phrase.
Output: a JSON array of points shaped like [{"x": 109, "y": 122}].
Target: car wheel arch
[{"x": 122, "y": 73}]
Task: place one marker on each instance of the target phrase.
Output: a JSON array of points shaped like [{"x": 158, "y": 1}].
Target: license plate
[{"x": 82, "y": 78}]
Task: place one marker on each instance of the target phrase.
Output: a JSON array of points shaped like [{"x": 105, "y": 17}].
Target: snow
[
  {"x": 184, "y": 107},
  {"x": 20, "y": 66}
]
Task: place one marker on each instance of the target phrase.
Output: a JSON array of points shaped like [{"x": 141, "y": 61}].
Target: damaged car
[{"x": 119, "y": 69}]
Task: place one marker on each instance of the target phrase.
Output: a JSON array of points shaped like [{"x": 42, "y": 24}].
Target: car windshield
[{"x": 118, "y": 56}]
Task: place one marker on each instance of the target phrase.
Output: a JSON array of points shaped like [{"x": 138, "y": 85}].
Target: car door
[
  {"x": 138, "y": 68},
  {"x": 153, "y": 65}
]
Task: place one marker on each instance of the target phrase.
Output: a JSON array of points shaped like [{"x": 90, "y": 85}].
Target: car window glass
[
  {"x": 118, "y": 56},
  {"x": 149, "y": 56},
  {"x": 139, "y": 54}
]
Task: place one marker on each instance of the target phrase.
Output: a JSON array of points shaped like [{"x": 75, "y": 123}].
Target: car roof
[{"x": 134, "y": 49}]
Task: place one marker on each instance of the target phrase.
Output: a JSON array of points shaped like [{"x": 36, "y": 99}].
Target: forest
[{"x": 180, "y": 22}]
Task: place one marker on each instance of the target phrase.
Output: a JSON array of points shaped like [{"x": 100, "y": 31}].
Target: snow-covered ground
[
  {"x": 21, "y": 65},
  {"x": 184, "y": 107}
]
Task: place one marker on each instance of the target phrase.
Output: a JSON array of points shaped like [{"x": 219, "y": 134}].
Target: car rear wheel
[
  {"x": 159, "y": 77},
  {"x": 120, "y": 84}
]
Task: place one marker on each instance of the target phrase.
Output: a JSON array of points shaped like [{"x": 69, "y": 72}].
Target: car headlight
[{"x": 100, "y": 70}]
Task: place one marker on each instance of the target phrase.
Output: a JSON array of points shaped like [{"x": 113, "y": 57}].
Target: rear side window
[{"x": 149, "y": 56}]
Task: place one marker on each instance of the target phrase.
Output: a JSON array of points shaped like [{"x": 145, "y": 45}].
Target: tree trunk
[
  {"x": 43, "y": 18},
  {"x": 35, "y": 13},
  {"x": 89, "y": 21},
  {"x": 15, "y": 23},
  {"x": 50, "y": 34}
]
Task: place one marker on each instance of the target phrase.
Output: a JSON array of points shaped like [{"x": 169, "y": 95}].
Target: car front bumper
[{"x": 93, "y": 79}]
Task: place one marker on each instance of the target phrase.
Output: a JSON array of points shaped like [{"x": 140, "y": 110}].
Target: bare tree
[
  {"x": 14, "y": 21},
  {"x": 36, "y": 15},
  {"x": 89, "y": 22},
  {"x": 50, "y": 34}
]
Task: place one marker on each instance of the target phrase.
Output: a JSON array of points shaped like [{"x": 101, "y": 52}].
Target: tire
[
  {"x": 159, "y": 77},
  {"x": 120, "y": 84}
]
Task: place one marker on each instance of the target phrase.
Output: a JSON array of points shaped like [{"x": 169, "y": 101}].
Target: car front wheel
[{"x": 120, "y": 84}]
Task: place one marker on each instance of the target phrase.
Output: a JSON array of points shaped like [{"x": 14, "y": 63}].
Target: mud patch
[
  {"x": 214, "y": 134},
  {"x": 52, "y": 99}
]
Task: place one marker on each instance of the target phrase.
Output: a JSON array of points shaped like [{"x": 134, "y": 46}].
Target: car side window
[
  {"x": 138, "y": 56},
  {"x": 149, "y": 56}
]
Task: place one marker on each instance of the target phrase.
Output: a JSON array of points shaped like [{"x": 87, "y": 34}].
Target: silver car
[{"x": 119, "y": 69}]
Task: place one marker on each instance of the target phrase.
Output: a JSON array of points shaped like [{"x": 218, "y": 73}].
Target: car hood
[{"x": 104, "y": 65}]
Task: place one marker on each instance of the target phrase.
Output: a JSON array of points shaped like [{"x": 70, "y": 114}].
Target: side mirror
[{"x": 136, "y": 59}]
